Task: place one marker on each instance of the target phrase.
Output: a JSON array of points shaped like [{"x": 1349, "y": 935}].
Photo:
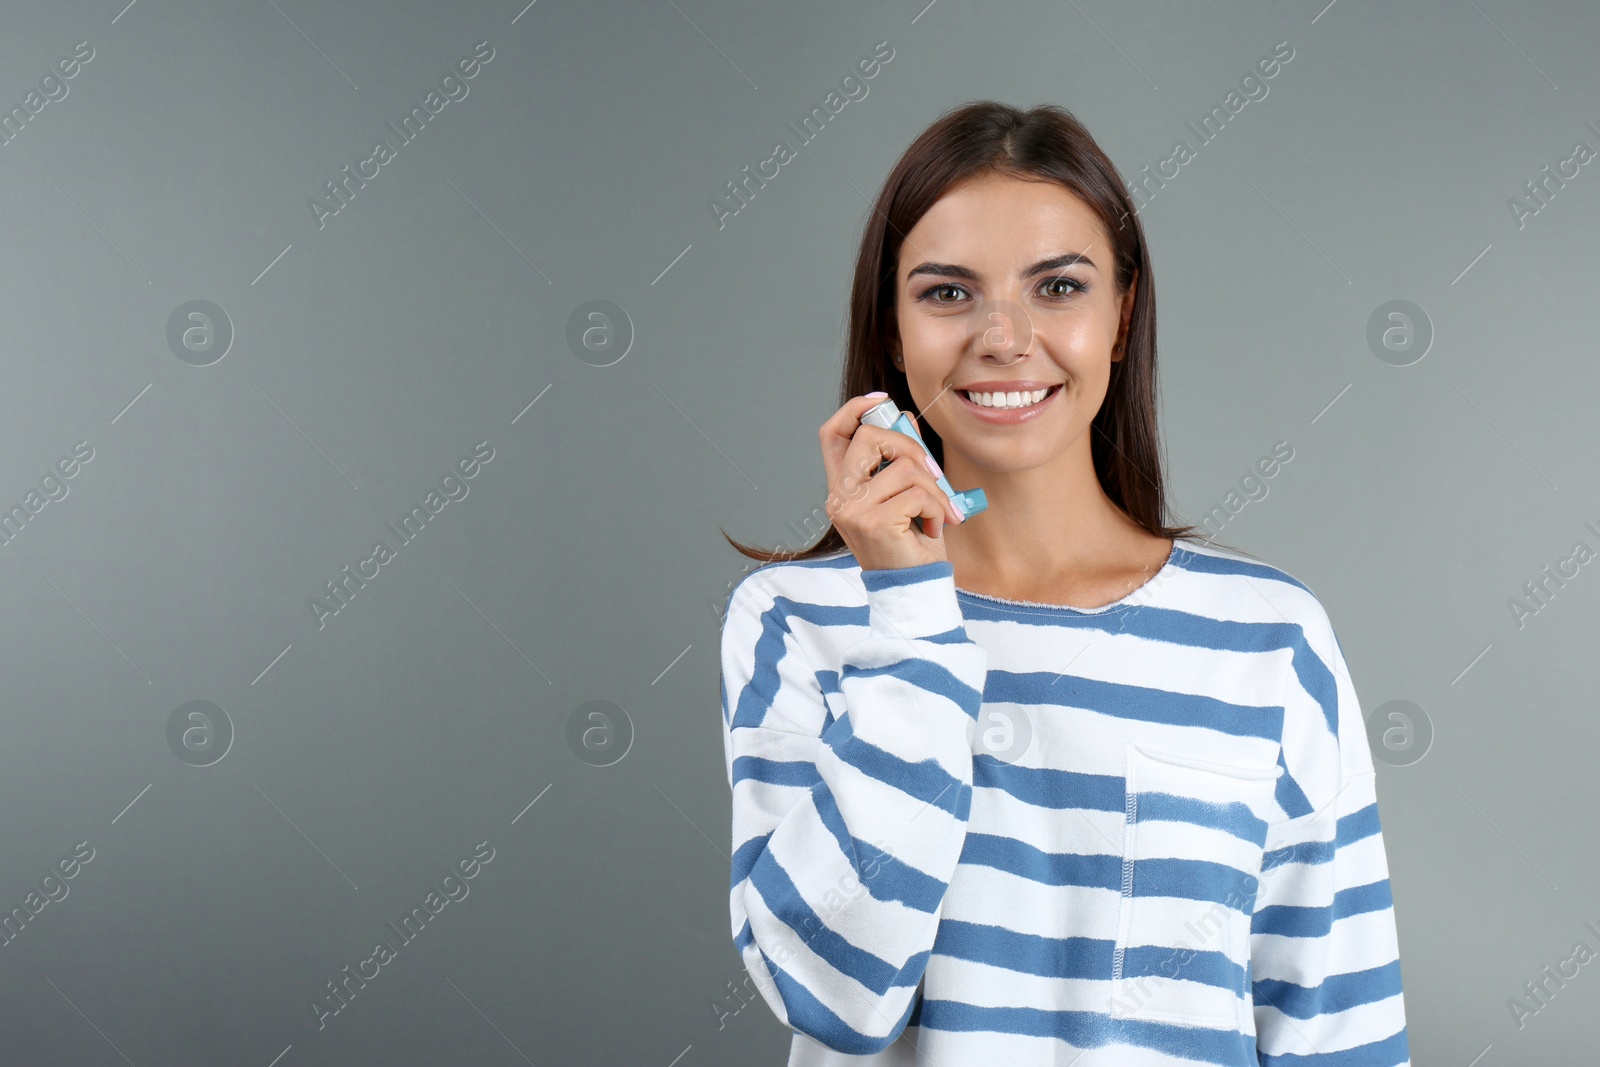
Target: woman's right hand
[{"x": 880, "y": 516}]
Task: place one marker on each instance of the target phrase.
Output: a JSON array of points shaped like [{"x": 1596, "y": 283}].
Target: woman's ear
[{"x": 1120, "y": 349}]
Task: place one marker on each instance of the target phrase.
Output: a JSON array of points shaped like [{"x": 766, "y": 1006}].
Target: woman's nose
[{"x": 1006, "y": 331}]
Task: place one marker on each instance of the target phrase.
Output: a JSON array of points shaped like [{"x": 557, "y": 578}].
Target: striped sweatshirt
[{"x": 970, "y": 830}]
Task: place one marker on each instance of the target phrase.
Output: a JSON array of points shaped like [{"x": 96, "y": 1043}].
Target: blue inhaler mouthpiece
[
  {"x": 886, "y": 414},
  {"x": 969, "y": 502}
]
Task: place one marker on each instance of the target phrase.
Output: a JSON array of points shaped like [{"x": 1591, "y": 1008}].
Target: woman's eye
[
  {"x": 1075, "y": 286},
  {"x": 942, "y": 289}
]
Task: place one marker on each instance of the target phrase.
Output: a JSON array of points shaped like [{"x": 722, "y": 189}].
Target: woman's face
[{"x": 1008, "y": 285}]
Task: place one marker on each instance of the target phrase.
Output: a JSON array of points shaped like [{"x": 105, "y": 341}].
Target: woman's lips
[{"x": 1006, "y": 416}]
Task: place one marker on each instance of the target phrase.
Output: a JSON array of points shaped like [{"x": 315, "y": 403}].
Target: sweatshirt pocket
[{"x": 1193, "y": 836}]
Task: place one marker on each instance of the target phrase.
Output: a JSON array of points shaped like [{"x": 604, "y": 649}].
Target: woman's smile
[{"x": 1007, "y": 402}]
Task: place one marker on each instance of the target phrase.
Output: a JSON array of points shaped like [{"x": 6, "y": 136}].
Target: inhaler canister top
[{"x": 882, "y": 414}]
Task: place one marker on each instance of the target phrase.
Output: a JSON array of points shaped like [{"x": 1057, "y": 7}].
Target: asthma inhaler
[{"x": 890, "y": 417}]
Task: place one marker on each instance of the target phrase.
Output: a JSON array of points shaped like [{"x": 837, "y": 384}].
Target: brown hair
[{"x": 1043, "y": 144}]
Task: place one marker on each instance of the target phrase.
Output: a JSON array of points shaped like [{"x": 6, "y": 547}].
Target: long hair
[{"x": 1046, "y": 143}]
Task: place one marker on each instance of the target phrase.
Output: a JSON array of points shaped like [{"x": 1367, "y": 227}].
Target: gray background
[{"x": 369, "y": 356}]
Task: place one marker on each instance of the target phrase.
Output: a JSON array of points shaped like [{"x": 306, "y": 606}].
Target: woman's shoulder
[
  {"x": 830, "y": 578},
  {"x": 1212, "y": 557},
  {"x": 1256, "y": 584}
]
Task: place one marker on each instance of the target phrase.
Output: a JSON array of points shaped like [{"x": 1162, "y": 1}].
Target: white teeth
[{"x": 1007, "y": 400}]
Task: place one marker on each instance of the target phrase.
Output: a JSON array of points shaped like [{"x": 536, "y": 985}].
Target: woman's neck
[{"x": 1040, "y": 535}]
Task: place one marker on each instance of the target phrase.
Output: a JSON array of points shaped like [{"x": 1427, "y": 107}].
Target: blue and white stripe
[{"x": 1184, "y": 865}]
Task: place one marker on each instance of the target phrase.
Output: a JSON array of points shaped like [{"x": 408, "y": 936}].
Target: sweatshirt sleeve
[
  {"x": 847, "y": 830},
  {"x": 1324, "y": 953}
]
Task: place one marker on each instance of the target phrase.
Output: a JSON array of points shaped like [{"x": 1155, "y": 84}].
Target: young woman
[{"x": 1058, "y": 780}]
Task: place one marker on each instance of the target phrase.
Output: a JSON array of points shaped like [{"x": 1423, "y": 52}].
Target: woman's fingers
[
  {"x": 889, "y": 517},
  {"x": 837, "y": 433}
]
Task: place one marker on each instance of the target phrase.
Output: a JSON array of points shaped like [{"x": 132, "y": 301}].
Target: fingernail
[
  {"x": 934, "y": 467},
  {"x": 955, "y": 516},
  {"x": 875, "y": 394}
]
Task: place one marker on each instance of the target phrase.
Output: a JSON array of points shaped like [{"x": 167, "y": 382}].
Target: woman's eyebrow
[{"x": 955, "y": 270}]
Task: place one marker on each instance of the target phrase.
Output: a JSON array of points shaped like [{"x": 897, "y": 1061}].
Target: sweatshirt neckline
[{"x": 1148, "y": 586}]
